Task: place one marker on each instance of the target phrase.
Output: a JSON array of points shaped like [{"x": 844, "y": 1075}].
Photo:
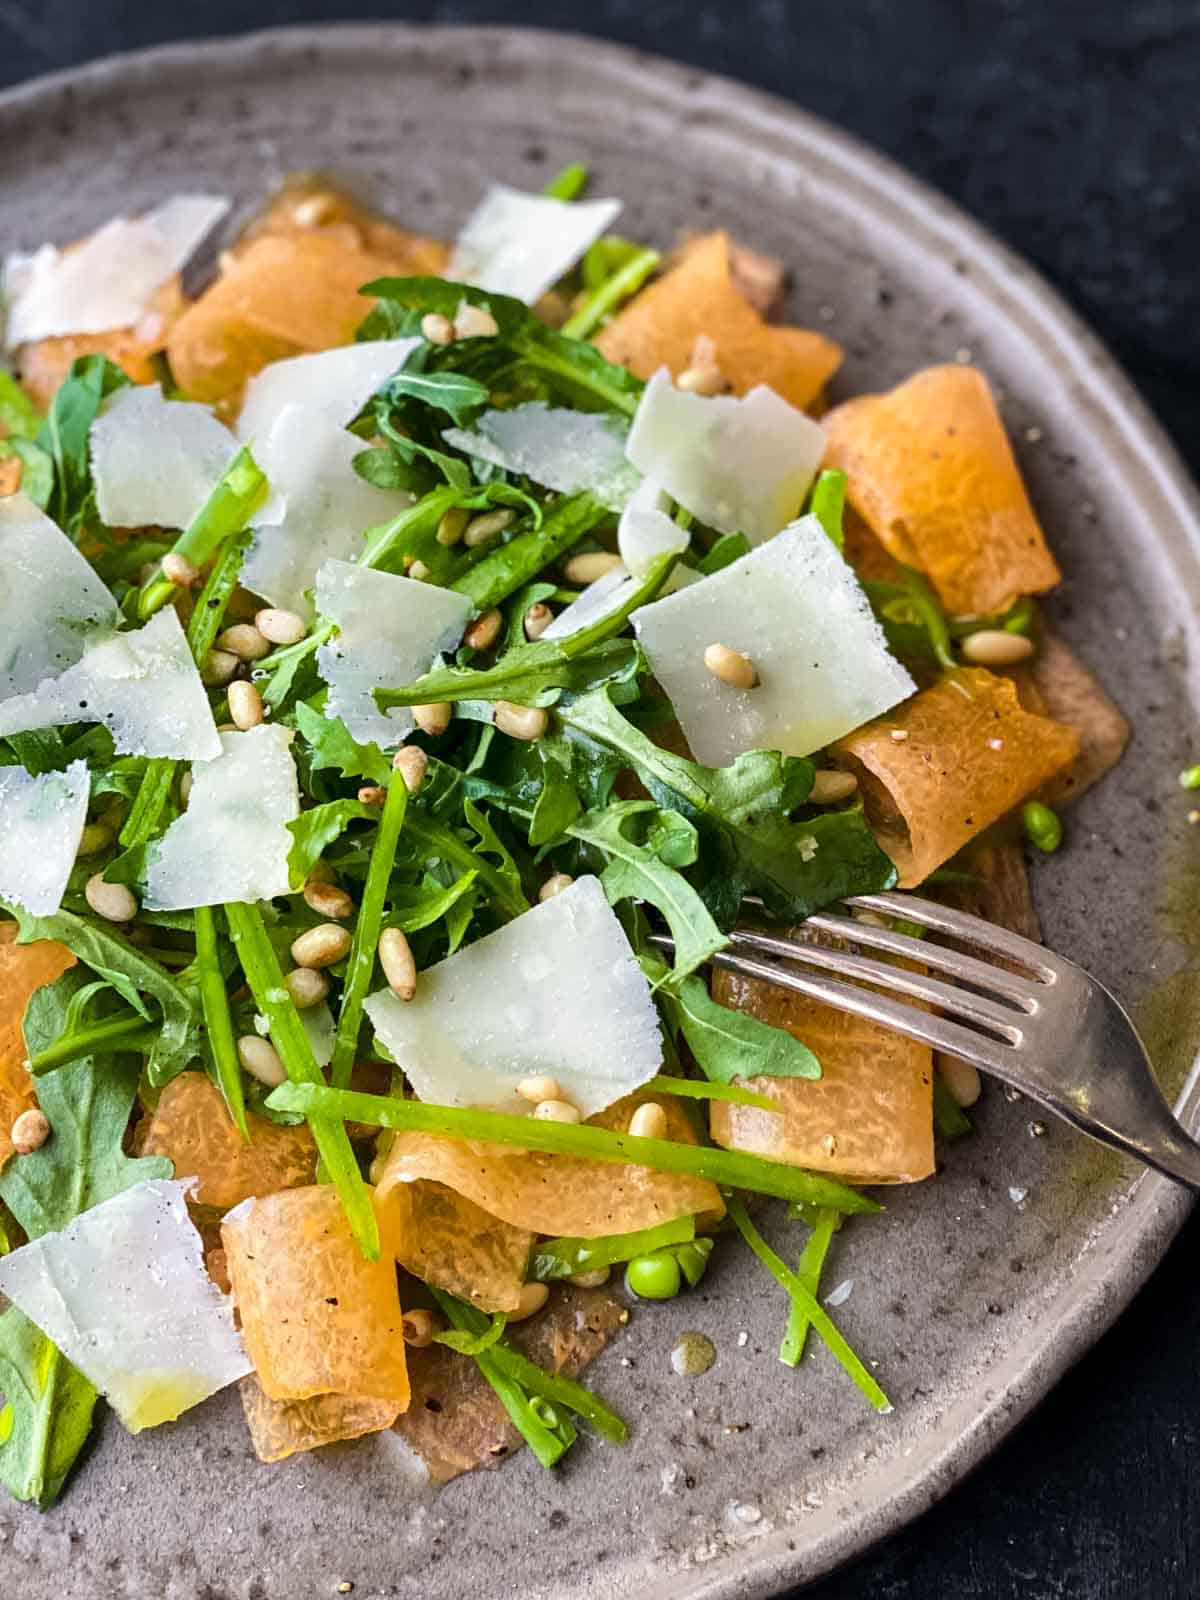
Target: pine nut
[
  {"x": 30, "y": 1131},
  {"x": 327, "y": 900},
  {"x": 94, "y": 838},
  {"x": 649, "y": 1121},
  {"x": 371, "y": 794},
  {"x": 962, "y": 1081},
  {"x": 533, "y": 1298},
  {"x": 245, "y": 706},
  {"x": 555, "y": 884},
  {"x": 596, "y": 1279},
  {"x": 436, "y": 328},
  {"x": 474, "y": 322},
  {"x": 539, "y": 1088},
  {"x": 452, "y": 526},
  {"x": 112, "y": 901},
  {"x": 397, "y": 962},
  {"x": 831, "y": 786},
  {"x": 486, "y": 526},
  {"x": 592, "y": 564},
  {"x": 419, "y": 1327},
  {"x": 220, "y": 667},
  {"x": 484, "y": 631},
  {"x": 993, "y": 647},
  {"x": 260, "y": 1059},
  {"x": 244, "y": 641},
  {"x": 311, "y": 213},
  {"x": 730, "y": 666},
  {"x": 243, "y": 605},
  {"x": 418, "y": 572},
  {"x": 701, "y": 379},
  {"x": 520, "y": 722},
  {"x": 411, "y": 763},
  {"x": 434, "y": 719},
  {"x": 537, "y": 619},
  {"x": 307, "y": 987},
  {"x": 280, "y": 627},
  {"x": 556, "y": 1111},
  {"x": 322, "y": 872},
  {"x": 321, "y": 946},
  {"x": 179, "y": 570},
  {"x": 185, "y": 788}
]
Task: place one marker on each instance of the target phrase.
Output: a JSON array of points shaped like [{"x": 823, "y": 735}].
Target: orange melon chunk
[
  {"x": 23, "y": 968},
  {"x": 317, "y": 1317},
  {"x": 282, "y": 1428},
  {"x": 447, "y": 1240},
  {"x": 931, "y": 469},
  {"x": 43, "y": 366},
  {"x": 699, "y": 298}
]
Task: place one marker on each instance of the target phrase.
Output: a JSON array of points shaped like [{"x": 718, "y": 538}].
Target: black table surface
[{"x": 1072, "y": 129}]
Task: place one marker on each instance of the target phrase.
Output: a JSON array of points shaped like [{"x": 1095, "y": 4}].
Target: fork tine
[
  {"x": 997, "y": 1018},
  {"x": 959, "y": 925},
  {"x": 1020, "y": 990}
]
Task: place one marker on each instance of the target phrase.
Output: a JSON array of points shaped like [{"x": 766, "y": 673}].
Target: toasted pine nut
[
  {"x": 474, "y": 322},
  {"x": 596, "y": 1279},
  {"x": 589, "y": 566},
  {"x": 30, "y": 1131},
  {"x": 420, "y": 1325},
  {"x": 311, "y": 213},
  {"x": 245, "y": 705},
  {"x": 962, "y": 1081},
  {"x": 830, "y": 786},
  {"x": 452, "y": 526},
  {"x": 486, "y": 526},
  {"x": 321, "y": 946},
  {"x": 307, "y": 987},
  {"x": 112, "y": 901},
  {"x": 418, "y": 572},
  {"x": 537, "y": 619},
  {"x": 539, "y": 1088},
  {"x": 485, "y": 630},
  {"x": 260, "y": 1059},
  {"x": 220, "y": 667},
  {"x": 411, "y": 762},
  {"x": 433, "y": 719},
  {"x": 371, "y": 794},
  {"x": 649, "y": 1121},
  {"x": 397, "y": 962},
  {"x": 730, "y": 666},
  {"x": 556, "y": 1111},
  {"x": 94, "y": 838},
  {"x": 520, "y": 722},
  {"x": 436, "y": 328},
  {"x": 322, "y": 872},
  {"x": 555, "y": 884},
  {"x": 279, "y": 626},
  {"x": 244, "y": 641},
  {"x": 701, "y": 379},
  {"x": 533, "y": 1298},
  {"x": 179, "y": 570},
  {"x": 993, "y": 647},
  {"x": 185, "y": 788},
  {"x": 327, "y": 900}
]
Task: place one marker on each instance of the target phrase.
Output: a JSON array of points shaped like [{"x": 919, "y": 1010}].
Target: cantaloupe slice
[
  {"x": 945, "y": 765},
  {"x": 308, "y": 203},
  {"x": 192, "y": 1127},
  {"x": 282, "y": 1428},
  {"x": 558, "y": 1194},
  {"x": 23, "y": 968},
  {"x": 931, "y": 469},
  {"x": 699, "y": 298},
  {"x": 1056, "y": 683},
  {"x": 44, "y": 364},
  {"x": 447, "y": 1240},
  {"x": 868, "y": 1117},
  {"x": 317, "y": 1316}
]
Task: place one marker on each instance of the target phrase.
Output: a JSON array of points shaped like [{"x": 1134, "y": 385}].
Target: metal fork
[{"x": 1050, "y": 1030}]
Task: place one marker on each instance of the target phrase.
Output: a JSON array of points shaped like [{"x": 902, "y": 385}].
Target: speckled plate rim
[{"x": 919, "y": 220}]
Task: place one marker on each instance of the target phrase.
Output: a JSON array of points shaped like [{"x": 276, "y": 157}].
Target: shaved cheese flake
[
  {"x": 232, "y": 842},
  {"x": 109, "y": 279},
  {"x": 646, "y": 531},
  {"x": 41, "y": 822},
  {"x": 50, "y": 599},
  {"x": 390, "y": 630},
  {"x": 156, "y": 461},
  {"x": 739, "y": 465},
  {"x": 124, "y": 1294},
  {"x": 337, "y": 383},
  {"x": 521, "y": 244},
  {"x": 606, "y": 595},
  {"x": 142, "y": 685},
  {"x": 795, "y": 607},
  {"x": 319, "y": 506},
  {"x": 569, "y": 451},
  {"x": 556, "y": 992}
]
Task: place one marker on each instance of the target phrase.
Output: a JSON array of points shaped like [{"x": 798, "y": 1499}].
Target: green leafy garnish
[
  {"x": 227, "y": 511},
  {"x": 565, "y": 1258},
  {"x": 63, "y": 439},
  {"x": 729, "y": 1044},
  {"x": 812, "y": 1262}
]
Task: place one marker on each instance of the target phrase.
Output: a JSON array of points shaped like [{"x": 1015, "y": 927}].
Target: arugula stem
[
  {"x": 568, "y": 184},
  {"x": 932, "y": 617},
  {"x": 209, "y": 610},
  {"x": 227, "y": 510},
  {"x": 809, "y": 1272},
  {"x": 218, "y": 1019},
  {"x": 361, "y": 963},
  {"x": 153, "y": 790},
  {"x": 563, "y": 1258},
  {"x": 125, "y": 1031},
  {"x": 626, "y": 281},
  {"x": 261, "y": 967}
]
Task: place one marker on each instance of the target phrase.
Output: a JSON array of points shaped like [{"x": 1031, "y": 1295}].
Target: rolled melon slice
[
  {"x": 24, "y": 968},
  {"x": 447, "y": 1240},
  {"x": 282, "y": 1428}
]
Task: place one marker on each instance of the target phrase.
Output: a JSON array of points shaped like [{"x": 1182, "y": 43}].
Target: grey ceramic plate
[{"x": 973, "y": 1293}]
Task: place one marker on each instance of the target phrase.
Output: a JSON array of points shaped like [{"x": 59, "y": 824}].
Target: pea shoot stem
[{"x": 218, "y": 1020}]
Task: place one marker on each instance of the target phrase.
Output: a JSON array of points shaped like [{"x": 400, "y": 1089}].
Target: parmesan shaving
[
  {"x": 522, "y": 244},
  {"x": 156, "y": 461},
  {"x": 41, "y": 823}
]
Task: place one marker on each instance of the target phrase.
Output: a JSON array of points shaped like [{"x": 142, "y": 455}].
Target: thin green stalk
[
  {"x": 209, "y": 610},
  {"x": 142, "y": 821},
  {"x": 569, "y": 184},
  {"x": 227, "y": 510},
  {"x": 564, "y": 1258},
  {"x": 125, "y": 1031},
  {"x": 605, "y": 300},
  {"x": 218, "y": 1020},
  {"x": 809, "y": 1270},
  {"x": 692, "y": 1089},
  {"x": 932, "y": 617},
  {"x": 828, "y": 504},
  {"x": 361, "y": 964},
  {"x": 730, "y": 1168},
  {"x": 261, "y": 967}
]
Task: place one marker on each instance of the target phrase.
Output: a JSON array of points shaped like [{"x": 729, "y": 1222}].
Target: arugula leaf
[
  {"x": 416, "y": 908},
  {"x": 730, "y": 1044},
  {"x": 730, "y": 547},
  {"x": 332, "y": 746},
  {"x": 64, "y": 438},
  {"x": 828, "y": 504},
  {"x": 47, "y": 1416},
  {"x": 501, "y": 864},
  {"x": 950, "y": 1121},
  {"x": 314, "y": 830},
  {"x": 473, "y": 1344},
  {"x": 19, "y": 417},
  {"x": 37, "y": 470},
  {"x": 568, "y": 184},
  {"x": 452, "y": 392}
]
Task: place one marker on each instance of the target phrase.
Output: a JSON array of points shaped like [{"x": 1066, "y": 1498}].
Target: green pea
[
  {"x": 1043, "y": 826},
  {"x": 1189, "y": 778},
  {"x": 654, "y": 1277}
]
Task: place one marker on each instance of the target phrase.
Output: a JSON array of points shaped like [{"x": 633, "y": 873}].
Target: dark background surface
[{"x": 1073, "y": 131}]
